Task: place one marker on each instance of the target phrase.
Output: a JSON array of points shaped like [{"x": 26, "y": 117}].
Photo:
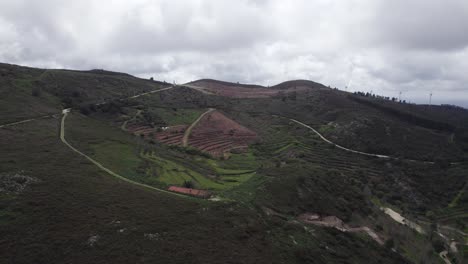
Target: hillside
[{"x": 296, "y": 173}]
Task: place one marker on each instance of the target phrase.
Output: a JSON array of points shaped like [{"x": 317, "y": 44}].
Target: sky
[{"x": 415, "y": 47}]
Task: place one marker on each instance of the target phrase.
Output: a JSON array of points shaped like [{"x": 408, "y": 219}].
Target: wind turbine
[
  {"x": 430, "y": 99},
  {"x": 351, "y": 71}
]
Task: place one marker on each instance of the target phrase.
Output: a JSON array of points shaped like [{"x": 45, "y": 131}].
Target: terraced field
[
  {"x": 216, "y": 134},
  {"x": 160, "y": 165}
]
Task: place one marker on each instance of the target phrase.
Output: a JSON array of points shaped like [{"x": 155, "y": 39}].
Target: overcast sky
[{"x": 384, "y": 46}]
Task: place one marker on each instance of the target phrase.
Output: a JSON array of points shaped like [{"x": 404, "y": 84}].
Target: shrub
[
  {"x": 438, "y": 245},
  {"x": 188, "y": 184},
  {"x": 84, "y": 110},
  {"x": 442, "y": 163},
  {"x": 390, "y": 243},
  {"x": 36, "y": 92}
]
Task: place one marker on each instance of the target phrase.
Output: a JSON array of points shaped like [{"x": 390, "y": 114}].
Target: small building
[{"x": 189, "y": 191}]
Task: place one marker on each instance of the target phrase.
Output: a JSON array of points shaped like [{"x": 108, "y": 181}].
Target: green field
[
  {"x": 177, "y": 116},
  {"x": 126, "y": 155}
]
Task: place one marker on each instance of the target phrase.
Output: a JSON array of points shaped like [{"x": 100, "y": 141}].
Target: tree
[
  {"x": 188, "y": 184},
  {"x": 438, "y": 245}
]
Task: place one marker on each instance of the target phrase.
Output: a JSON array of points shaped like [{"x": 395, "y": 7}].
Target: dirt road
[
  {"x": 189, "y": 129},
  {"x": 25, "y": 121},
  {"x": 154, "y": 91},
  {"x": 49, "y": 116},
  {"x": 338, "y": 146},
  {"x": 400, "y": 219},
  {"x": 198, "y": 88},
  {"x": 337, "y": 223}
]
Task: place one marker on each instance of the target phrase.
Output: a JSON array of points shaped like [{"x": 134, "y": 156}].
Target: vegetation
[{"x": 261, "y": 192}]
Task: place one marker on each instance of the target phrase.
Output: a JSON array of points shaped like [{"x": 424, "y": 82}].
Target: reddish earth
[
  {"x": 216, "y": 134},
  {"x": 172, "y": 135},
  {"x": 190, "y": 191},
  {"x": 244, "y": 91}
]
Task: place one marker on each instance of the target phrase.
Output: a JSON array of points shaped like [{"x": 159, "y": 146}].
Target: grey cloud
[
  {"x": 201, "y": 27},
  {"x": 384, "y": 46},
  {"x": 422, "y": 24}
]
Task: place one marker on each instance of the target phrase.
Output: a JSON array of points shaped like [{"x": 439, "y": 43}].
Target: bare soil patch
[
  {"x": 242, "y": 91},
  {"x": 217, "y": 134}
]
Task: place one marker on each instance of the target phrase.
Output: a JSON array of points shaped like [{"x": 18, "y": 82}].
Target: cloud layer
[{"x": 370, "y": 45}]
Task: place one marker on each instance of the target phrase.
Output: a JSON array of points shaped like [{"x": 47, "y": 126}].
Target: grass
[
  {"x": 285, "y": 147},
  {"x": 324, "y": 129},
  {"x": 171, "y": 173},
  {"x": 247, "y": 191},
  {"x": 118, "y": 157},
  {"x": 235, "y": 164},
  {"x": 177, "y": 116},
  {"x": 122, "y": 153},
  {"x": 7, "y": 217}
]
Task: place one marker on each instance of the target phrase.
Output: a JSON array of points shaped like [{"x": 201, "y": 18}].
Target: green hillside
[{"x": 58, "y": 206}]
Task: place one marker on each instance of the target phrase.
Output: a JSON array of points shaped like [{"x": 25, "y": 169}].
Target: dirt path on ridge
[{"x": 189, "y": 129}]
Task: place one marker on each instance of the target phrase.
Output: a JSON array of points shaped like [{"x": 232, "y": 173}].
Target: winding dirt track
[
  {"x": 198, "y": 88},
  {"x": 338, "y": 146},
  {"x": 189, "y": 129},
  {"x": 151, "y": 92}
]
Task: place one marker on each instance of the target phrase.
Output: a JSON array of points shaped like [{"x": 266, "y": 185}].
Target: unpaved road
[
  {"x": 400, "y": 219},
  {"x": 337, "y": 223},
  {"x": 360, "y": 152},
  {"x": 48, "y": 116},
  {"x": 198, "y": 88},
  {"x": 25, "y": 121},
  {"x": 444, "y": 256},
  {"x": 189, "y": 129},
  {"x": 338, "y": 146},
  {"x": 154, "y": 91}
]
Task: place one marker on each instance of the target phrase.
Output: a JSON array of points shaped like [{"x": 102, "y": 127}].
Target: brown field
[
  {"x": 216, "y": 134},
  {"x": 171, "y": 135}
]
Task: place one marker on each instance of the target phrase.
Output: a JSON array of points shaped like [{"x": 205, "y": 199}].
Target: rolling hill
[{"x": 281, "y": 191}]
